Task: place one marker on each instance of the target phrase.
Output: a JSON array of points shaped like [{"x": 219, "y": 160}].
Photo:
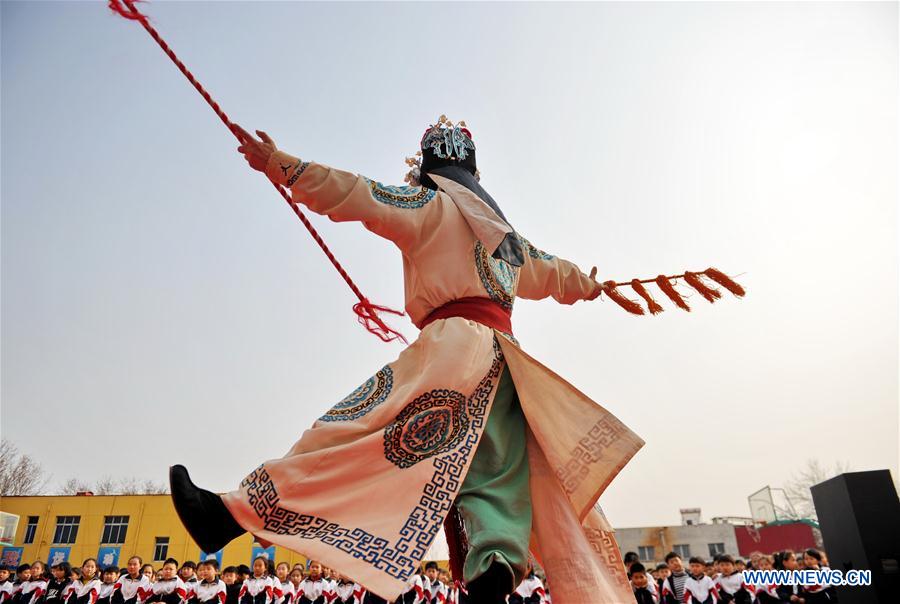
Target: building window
[
  {"x": 30, "y": 529},
  {"x": 683, "y": 550},
  {"x": 716, "y": 548},
  {"x": 66, "y": 529},
  {"x": 647, "y": 553},
  {"x": 114, "y": 529},
  {"x": 161, "y": 551}
]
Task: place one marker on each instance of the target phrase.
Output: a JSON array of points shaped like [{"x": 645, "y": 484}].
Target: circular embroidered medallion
[
  {"x": 498, "y": 277},
  {"x": 432, "y": 424},
  {"x": 362, "y": 400}
]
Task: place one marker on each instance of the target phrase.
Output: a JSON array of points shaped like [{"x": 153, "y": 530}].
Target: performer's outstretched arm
[
  {"x": 395, "y": 213},
  {"x": 545, "y": 275}
]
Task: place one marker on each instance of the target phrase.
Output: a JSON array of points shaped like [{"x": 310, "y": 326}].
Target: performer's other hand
[{"x": 256, "y": 152}]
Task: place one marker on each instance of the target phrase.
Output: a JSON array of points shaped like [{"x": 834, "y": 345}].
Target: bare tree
[
  {"x": 20, "y": 474},
  {"x": 74, "y": 486},
  {"x": 112, "y": 486},
  {"x": 797, "y": 489}
]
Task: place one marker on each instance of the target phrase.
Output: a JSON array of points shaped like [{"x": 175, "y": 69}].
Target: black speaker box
[{"x": 859, "y": 515}]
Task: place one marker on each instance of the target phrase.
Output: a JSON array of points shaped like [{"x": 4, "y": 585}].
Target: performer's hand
[
  {"x": 593, "y": 277},
  {"x": 256, "y": 152}
]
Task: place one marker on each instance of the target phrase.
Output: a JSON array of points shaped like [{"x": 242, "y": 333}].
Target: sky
[{"x": 161, "y": 305}]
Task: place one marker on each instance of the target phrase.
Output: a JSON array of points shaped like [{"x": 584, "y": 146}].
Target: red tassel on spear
[
  {"x": 639, "y": 288},
  {"x": 365, "y": 310}
]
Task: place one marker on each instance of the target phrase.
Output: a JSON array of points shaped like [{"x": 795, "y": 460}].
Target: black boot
[
  {"x": 202, "y": 513},
  {"x": 493, "y": 586}
]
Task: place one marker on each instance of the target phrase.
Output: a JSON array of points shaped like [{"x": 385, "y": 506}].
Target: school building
[{"x": 111, "y": 529}]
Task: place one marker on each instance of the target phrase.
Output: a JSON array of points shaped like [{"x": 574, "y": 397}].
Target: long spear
[{"x": 366, "y": 312}]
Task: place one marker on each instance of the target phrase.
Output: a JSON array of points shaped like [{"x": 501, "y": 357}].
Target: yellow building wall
[{"x": 149, "y": 517}]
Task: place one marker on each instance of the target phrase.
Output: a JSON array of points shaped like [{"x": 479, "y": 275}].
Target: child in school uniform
[
  {"x": 347, "y": 591},
  {"x": 730, "y": 583},
  {"x": 435, "y": 591},
  {"x": 698, "y": 587},
  {"x": 86, "y": 590},
  {"x": 109, "y": 576},
  {"x": 232, "y": 586},
  {"x": 529, "y": 591},
  {"x": 6, "y": 586},
  {"x": 188, "y": 575},
  {"x": 766, "y": 593},
  {"x": 169, "y": 589},
  {"x": 810, "y": 594},
  {"x": 259, "y": 588},
  {"x": 643, "y": 587},
  {"x": 315, "y": 588},
  {"x": 672, "y": 587},
  {"x": 210, "y": 589},
  {"x": 31, "y": 590},
  {"x": 284, "y": 589},
  {"x": 133, "y": 586}
]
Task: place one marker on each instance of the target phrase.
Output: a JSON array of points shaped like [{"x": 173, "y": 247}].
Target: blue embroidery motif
[
  {"x": 533, "y": 251},
  {"x": 499, "y": 278},
  {"x": 398, "y": 559},
  {"x": 432, "y": 424},
  {"x": 400, "y": 196},
  {"x": 365, "y": 398}
]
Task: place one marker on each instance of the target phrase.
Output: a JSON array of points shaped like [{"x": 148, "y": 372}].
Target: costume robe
[{"x": 367, "y": 487}]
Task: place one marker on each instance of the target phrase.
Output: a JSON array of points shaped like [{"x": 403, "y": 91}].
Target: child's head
[
  {"x": 764, "y": 563},
  {"x": 229, "y": 575},
  {"x": 740, "y": 565},
  {"x": 187, "y": 570},
  {"x": 315, "y": 569},
  {"x": 697, "y": 565},
  {"x": 663, "y": 571},
  {"x": 282, "y": 570},
  {"x": 23, "y": 572},
  {"x": 4, "y": 573},
  {"x": 148, "y": 571},
  {"x": 75, "y": 575},
  {"x": 726, "y": 564},
  {"x": 638, "y": 575},
  {"x": 110, "y": 574},
  {"x": 812, "y": 558},
  {"x": 169, "y": 569},
  {"x": 260, "y": 566},
  {"x": 208, "y": 569},
  {"x": 712, "y": 567},
  {"x": 243, "y": 571},
  {"x": 629, "y": 559},
  {"x": 88, "y": 569},
  {"x": 134, "y": 566},
  {"x": 38, "y": 570},
  {"x": 673, "y": 561},
  {"x": 296, "y": 576},
  {"x": 431, "y": 570},
  {"x": 444, "y": 577}
]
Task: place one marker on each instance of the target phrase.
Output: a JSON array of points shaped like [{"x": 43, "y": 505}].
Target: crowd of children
[
  {"x": 721, "y": 581},
  {"x": 717, "y": 582},
  {"x": 190, "y": 583}
]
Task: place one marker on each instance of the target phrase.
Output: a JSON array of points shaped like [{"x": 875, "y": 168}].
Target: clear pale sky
[{"x": 161, "y": 304}]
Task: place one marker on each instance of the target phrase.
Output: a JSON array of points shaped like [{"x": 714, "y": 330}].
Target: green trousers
[{"x": 494, "y": 500}]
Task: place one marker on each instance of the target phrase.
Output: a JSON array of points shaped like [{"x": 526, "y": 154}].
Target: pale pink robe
[{"x": 366, "y": 489}]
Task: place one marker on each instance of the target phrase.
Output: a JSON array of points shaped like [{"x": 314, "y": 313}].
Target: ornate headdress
[{"x": 443, "y": 143}]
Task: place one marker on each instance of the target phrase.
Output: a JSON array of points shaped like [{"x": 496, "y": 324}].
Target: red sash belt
[{"x": 481, "y": 310}]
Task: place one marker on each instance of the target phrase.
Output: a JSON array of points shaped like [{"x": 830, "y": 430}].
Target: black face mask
[{"x": 463, "y": 173}]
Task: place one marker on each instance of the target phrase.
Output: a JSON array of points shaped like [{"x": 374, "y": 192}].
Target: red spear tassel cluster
[
  {"x": 666, "y": 285},
  {"x": 367, "y": 314}
]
